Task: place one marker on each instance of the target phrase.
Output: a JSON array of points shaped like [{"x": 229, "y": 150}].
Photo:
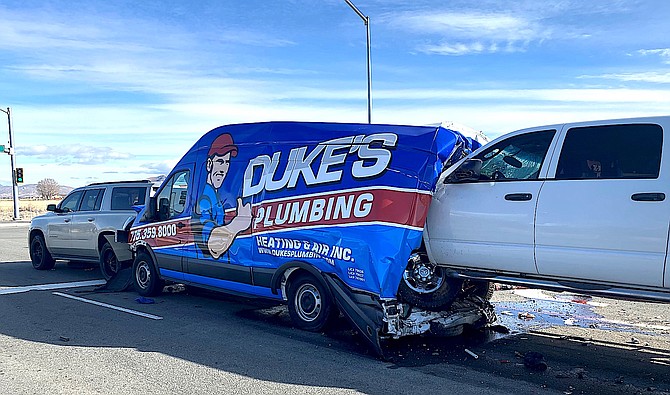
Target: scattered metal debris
[{"x": 470, "y": 353}]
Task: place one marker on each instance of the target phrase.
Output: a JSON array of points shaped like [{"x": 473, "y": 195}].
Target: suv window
[
  {"x": 611, "y": 151},
  {"x": 172, "y": 198},
  {"x": 92, "y": 200},
  {"x": 516, "y": 158},
  {"x": 123, "y": 198},
  {"x": 71, "y": 202}
]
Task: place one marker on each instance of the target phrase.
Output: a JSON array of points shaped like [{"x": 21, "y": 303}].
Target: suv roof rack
[{"x": 119, "y": 182}]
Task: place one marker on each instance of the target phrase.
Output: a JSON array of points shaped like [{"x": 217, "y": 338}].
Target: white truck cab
[{"x": 578, "y": 206}]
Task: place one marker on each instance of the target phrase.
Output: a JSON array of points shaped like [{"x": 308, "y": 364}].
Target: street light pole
[
  {"x": 15, "y": 185},
  {"x": 366, "y": 20}
]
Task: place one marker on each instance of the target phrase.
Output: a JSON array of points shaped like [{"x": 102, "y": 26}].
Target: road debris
[
  {"x": 534, "y": 361},
  {"x": 473, "y": 355},
  {"x": 526, "y": 316}
]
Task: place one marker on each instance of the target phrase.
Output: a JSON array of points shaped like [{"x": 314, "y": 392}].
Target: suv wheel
[
  {"x": 40, "y": 255},
  {"x": 109, "y": 265}
]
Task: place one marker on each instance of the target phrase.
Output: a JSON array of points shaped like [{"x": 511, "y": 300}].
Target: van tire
[
  {"x": 39, "y": 254},
  {"x": 109, "y": 264},
  {"x": 145, "y": 276},
  {"x": 427, "y": 286},
  {"x": 309, "y": 304}
]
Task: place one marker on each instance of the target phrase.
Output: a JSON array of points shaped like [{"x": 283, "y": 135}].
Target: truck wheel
[
  {"x": 481, "y": 288},
  {"x": 40, "y": 255},
  {"x": 147, "y": 282},
  {"x": 426, "y": 285},
  {"x": 309, "y": 303},
  {"x": 109, "y": 265}
]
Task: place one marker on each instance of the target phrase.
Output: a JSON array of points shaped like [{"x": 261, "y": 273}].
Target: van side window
[
  {"x": 92, "y": 200},
  {"x": 516, "y": 158},
  {"x": 172, "y": 198},
  {"x": 610, "y": 152}
]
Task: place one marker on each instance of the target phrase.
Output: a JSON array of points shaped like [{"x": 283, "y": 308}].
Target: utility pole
[
  {"x": 10, "y": 151},
  {"x": 366, "y": 20}
]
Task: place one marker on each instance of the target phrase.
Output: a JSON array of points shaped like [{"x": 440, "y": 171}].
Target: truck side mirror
[
  {"x": 51, "y": 207},
  {"x": 467, "y": 171}
]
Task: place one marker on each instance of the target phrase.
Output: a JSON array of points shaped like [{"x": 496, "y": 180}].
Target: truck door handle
[
  {"x": 518, "y": 197},
  {"x": 648, "y": 197},
  {"x": 66, "y": 220},
  {"x": 91, "y": 219},
  {"x": 180, "y": 225}
]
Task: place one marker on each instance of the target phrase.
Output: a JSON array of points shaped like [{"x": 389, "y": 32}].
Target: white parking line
[
  {"x": 47, "y": 287},
  {"x": 109, "y": 306}
]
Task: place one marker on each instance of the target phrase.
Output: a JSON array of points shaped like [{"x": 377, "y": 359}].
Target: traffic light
[{"x": 19, "y": 175}]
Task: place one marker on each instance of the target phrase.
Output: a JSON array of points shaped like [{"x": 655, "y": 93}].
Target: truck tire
[
  {"x": 40, "y": 255},
  {"x": 426, "y": 285},
  {"x": 483, "y": 289},
  {"x": 309, "y": 303},
  {"x": 145, "y": 276},
  {"x": 109, "y": 265}
]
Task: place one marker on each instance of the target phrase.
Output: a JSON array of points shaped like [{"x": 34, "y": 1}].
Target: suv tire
[
  {"x": 109, "y": 264},
  {"x": 40, "y": 255}
]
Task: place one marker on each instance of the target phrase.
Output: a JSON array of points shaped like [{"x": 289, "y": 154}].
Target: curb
[{"x": 19, "y": 223}]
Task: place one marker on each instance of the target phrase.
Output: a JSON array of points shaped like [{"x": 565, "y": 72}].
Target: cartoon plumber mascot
[{"x": 218, "y": 230}]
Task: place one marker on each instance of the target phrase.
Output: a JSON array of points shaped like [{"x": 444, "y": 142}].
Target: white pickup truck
[{"x": 579, "y": 206}]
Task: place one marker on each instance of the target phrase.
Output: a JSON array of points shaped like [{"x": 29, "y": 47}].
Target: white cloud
[
  {"x": 664, "y": 53},
  {"x": 469, "y": 48},
  {"x": 649, "y": 76},
  {"x": 73, "y": 154}
]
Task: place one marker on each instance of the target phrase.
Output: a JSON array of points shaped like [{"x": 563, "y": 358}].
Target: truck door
[
  {"x": 605, "y": 215},
  {"x": 488, "y": 223}
]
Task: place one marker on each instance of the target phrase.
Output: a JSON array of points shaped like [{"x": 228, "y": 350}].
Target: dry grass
[{"x": 27, "y": 208}]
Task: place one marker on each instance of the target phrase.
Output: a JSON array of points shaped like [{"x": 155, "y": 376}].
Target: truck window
[
  {"x": 516, "y": 158},
  {"x": 610, "y": 152},
  {"x": 92, "y": 200},
  {"x": 172, "y": 198}
]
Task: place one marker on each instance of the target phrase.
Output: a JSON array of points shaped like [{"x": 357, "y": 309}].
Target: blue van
[{"x": 326, "y": 217}]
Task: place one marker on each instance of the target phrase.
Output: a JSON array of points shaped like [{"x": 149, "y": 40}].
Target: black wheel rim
[
  {"x": 37, "y": 250},
  {"x": 110, "y": 264}
]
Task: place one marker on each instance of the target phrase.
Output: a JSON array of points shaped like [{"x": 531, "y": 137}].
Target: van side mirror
[
  {"x": 163, "y": 209},
  {"x": 150, "y": 210},
  {"x": 467, "y": 171}
]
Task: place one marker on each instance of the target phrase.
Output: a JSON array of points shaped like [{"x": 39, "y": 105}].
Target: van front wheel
[
  {"x": 145, "y": 276},
  {"x": 309, "y": 303}
]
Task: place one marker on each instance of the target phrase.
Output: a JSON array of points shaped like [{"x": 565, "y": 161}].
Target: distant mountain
[{"x": 28, "y": 191}]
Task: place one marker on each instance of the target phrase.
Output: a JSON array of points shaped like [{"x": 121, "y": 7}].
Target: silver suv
[{"x": 81, "y": 227}]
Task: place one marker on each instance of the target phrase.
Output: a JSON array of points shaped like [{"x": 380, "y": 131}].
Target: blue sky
[{"x": 108, "y": 90}]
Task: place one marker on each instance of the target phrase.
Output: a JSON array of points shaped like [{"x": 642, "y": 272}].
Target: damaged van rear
[{"x": 327, "y": 217}]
